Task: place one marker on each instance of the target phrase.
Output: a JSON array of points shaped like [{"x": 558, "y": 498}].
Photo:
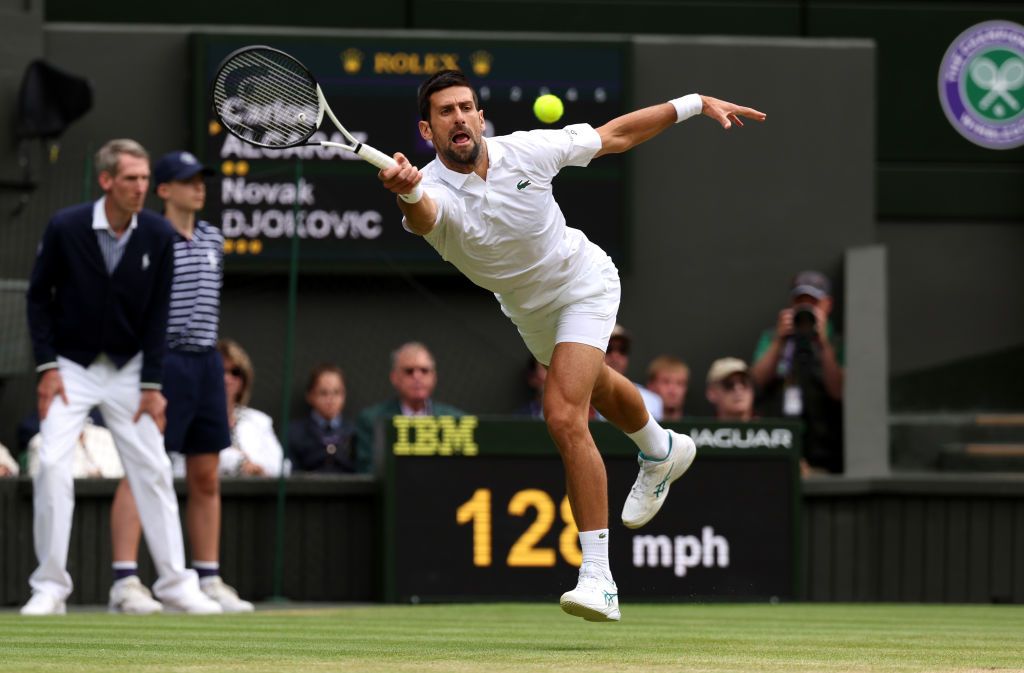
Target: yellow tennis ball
[{"x": 548, "y": 108}]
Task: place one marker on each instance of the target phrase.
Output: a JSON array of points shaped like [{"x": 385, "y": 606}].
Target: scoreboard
[
  {"x": 477, "y": 510},
  {"x": 332, "y": 201}
]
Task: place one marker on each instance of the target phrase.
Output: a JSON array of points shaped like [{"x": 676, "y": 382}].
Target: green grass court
[{"x": 527, "y": 637}]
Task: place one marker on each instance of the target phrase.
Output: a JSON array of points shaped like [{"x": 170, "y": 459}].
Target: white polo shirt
[{"x": 507, "y": 233}]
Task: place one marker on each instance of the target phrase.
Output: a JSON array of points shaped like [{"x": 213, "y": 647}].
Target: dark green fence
[
  {"x": 933, "y": 538},
  {"x": 331, "y": 537}
]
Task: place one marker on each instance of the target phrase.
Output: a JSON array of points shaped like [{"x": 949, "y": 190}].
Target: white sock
[
  {"x": 652, "y": 439},
  {"x": 595, "y": 549}
]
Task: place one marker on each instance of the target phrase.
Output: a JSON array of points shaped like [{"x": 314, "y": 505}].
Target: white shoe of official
[
  {"x": 42, "y": 604},
  {"x": 595, "y": 598},
  {"x": 129, "y": 596},
  {"x": 651, "y": 486},
  {"x": 224, "y": 595},
  {"x": 193, "y": 603}
]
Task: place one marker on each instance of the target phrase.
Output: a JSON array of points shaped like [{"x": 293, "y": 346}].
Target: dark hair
[
  {"x": 441, "y": 80},
  {"x": 320, "y": 370}
]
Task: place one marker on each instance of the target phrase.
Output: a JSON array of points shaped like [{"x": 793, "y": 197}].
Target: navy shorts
[{"x": 197, "y": 413}]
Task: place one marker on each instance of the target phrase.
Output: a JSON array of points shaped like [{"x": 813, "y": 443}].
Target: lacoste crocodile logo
[{"x": 522, "y": 184}]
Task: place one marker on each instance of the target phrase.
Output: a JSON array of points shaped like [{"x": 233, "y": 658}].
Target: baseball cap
[
  {"x": 723, "y": 368},
  {"x": 178, "y": 166},
  {"x": 811, "y": 283}
]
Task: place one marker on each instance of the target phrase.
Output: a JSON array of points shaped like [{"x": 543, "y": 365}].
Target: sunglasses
[
  {"x": 236, "y": 372},
  {"x": 733, "y": 384},
  {"x": 618, "y": 348},
  {"x": 409, "y": 371}
]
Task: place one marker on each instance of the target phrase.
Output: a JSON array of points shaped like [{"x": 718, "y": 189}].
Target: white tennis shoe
[
  {"x": 224, "y": 594},
  {"x": 595, "y": 598},
  {"x": 656, "y": 476},
  {"x": 43, "y": 604},
  {"x": 129, "y": 596},
  {"x": 193, "y": 602}
]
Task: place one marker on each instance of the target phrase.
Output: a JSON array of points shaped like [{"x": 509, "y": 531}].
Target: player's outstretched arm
[
  {"x": 626, "y": 132},
  {"x": 401, "y": 179}
]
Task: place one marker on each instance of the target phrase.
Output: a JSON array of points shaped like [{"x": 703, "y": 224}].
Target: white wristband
[
  {"x": 412, "y": 197},
  {"x": 687, "y": 106}
]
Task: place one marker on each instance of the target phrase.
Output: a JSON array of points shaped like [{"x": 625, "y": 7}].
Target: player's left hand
[
  {"x": 726, "y": 113},
  {"x": 153, "y": 402},
  {"x": 402, "y": 178}
]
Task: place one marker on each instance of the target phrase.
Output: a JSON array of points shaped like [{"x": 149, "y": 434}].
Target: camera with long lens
[{"x": 804, "y": 320}]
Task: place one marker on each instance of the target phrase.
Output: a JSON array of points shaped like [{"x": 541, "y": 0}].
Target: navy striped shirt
[{"x": 195, "y": 293}]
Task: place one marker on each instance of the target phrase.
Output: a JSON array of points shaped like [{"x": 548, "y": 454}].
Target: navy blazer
[
  {"x": 77, "y": 310},
  {"x": 309, "y": 453}
]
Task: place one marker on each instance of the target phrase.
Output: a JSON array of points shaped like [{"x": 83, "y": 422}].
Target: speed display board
[
  {"x": 477, "y": 510},
  {"x": 332, "y": 200}
]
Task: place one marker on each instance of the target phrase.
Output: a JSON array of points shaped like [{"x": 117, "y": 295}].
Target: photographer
[{"x": 799, "y": 373}]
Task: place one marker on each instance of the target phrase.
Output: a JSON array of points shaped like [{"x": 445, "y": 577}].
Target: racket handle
[
  {"x": 375, "y": 156},
  {"x": 382, "y": 161}
]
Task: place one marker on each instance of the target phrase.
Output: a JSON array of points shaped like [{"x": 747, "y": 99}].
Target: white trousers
[{"x": 141, "y": 447}]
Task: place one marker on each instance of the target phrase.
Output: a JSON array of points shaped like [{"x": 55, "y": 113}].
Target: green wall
[{"x": 924, "y": 169}]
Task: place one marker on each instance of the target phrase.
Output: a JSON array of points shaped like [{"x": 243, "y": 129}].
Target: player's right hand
[
  {"x": 50, "y": 386},
  {"x": 402, "y": 178}
]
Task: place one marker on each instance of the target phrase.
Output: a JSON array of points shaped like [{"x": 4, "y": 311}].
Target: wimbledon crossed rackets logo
[
  {"x": 996, "y": 90},
  {"x": 981, "y": 84}
]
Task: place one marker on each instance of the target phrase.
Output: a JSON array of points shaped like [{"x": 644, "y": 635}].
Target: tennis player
[{"x": 488, "y": 208}]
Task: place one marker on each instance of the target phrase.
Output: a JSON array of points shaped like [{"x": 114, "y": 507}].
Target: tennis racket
[{"x": 269, "y": 99}]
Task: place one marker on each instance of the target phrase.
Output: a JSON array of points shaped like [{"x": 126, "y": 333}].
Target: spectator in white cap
[
  {"x": 798, "y": 371},
  {"x": 730, "y": 390}
]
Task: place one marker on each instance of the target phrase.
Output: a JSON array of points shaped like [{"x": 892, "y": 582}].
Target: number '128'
[{"x": 525, "y": 552}]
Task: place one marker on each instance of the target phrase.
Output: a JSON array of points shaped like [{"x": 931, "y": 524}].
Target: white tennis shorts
[{"x": 587, "y": 321}]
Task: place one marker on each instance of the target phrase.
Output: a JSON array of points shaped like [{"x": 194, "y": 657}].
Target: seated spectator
[
  {"x": 730, "y": 390},
  {"x": 536, "y": 374},
  {"x": 254, "y": 450},
  {"x": 669, "y": 378},
  {"x": 28, "y": 426},
  {"x": 414, "y": 378},
  {"x": 95, "y": 454},
  {"x": 322, "y": 441},
  {"x": 798, "y": 371},
  {"x": 617, "y": 357},
  {"x": 8, "y": 465}
]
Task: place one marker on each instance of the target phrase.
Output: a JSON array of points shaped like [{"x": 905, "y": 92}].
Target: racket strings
[{"x": 266, "y": 98}]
